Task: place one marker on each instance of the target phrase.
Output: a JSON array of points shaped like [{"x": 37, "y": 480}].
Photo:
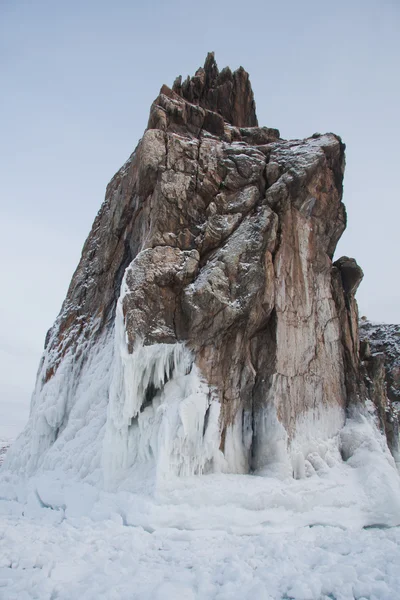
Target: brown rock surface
[{"x": 226, "y": 93}]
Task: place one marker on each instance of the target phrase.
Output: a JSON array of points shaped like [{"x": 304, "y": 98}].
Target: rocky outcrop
[
  {"x": 380, "y": 356},
  {"x": 210, "y": 266}
]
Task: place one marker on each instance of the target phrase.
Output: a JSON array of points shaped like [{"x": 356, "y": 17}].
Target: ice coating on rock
[{"x": 161, "y": 413}]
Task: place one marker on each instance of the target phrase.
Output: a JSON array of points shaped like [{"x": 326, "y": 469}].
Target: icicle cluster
[{"x": 161, "y": 413}]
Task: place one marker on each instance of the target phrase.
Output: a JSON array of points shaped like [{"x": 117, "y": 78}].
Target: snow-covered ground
[{"x": 332, "y": 535}]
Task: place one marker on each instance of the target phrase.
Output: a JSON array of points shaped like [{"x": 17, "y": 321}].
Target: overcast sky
[{"x": 77, "y": 80}]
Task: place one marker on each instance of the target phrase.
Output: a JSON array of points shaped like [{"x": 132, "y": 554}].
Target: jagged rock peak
[{"x": 229, "y": 94}]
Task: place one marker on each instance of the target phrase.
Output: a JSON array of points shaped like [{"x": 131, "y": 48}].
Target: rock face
[
  {"x": 205, "y": 327},
  {"x": 380, "y": 355}
]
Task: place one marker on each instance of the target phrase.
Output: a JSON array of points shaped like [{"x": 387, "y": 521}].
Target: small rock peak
[
  {"x": 226, "y": 93},
  {"x": 211, "y": 70},
  {"x": 210, "y": 64}
]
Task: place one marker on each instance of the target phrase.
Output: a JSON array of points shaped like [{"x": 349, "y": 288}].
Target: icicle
[{"x": 160, "y": 410}]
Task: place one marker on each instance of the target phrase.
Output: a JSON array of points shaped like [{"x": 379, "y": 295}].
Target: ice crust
[
  {"x": 161, "y": 413},
  {"x": 112, "y": 415},
  {"x": 113, "y": 506},
  {"x": 115, "y": 419},
  {"x": 333, "y": 534}
]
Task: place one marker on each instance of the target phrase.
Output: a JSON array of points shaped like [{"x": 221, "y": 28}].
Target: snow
[
  {"x": 65, "y": 429},
  {"x": 334, "y": 534},
  {"x": 4, "y": 446},
  {"x": 110, "y": 561},
  {"x": 117, "y": 489}
]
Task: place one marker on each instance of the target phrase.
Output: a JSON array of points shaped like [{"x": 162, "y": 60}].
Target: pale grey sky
[{"x": 78, "y": 79}]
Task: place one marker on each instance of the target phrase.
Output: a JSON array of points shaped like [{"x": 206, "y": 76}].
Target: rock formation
[
  {"x": 380, "y": 365},
  {"x": 206, "y": 327}
]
